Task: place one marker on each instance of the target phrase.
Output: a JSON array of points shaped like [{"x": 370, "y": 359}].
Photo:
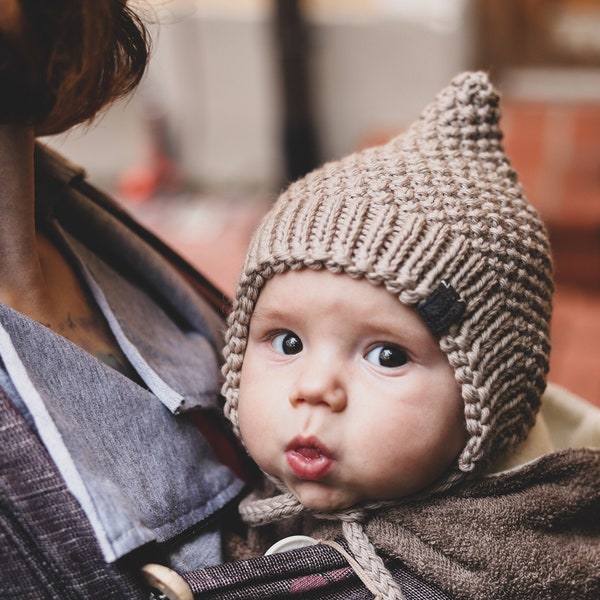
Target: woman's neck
[
  {"x": 21, "y": 280},
  {"x": 16, "y": 178},
  {"x": 35, "y": 277}
]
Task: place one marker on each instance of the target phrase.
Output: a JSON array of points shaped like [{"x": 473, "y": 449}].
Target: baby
[{"x": 388, "y": 349}]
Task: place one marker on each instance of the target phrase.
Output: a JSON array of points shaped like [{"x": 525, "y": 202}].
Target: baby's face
[{"x": 345, "y": 395}]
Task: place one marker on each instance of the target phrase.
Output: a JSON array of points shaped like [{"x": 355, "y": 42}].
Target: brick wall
[{"x": 555, "y": 148}]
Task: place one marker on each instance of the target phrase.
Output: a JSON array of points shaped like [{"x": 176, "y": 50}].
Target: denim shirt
[{"x": 140, "y": 469}]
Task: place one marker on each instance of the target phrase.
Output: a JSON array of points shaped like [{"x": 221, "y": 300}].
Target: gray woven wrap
[{"x": 439, "y": 203}]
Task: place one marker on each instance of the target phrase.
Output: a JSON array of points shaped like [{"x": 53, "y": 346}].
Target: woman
[{"x": 105, "y": 342}]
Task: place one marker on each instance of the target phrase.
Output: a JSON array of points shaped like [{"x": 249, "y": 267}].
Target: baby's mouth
[{"x": 308, "y": 458}]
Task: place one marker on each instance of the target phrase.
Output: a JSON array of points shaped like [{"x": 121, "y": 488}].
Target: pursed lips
[{"x": 308, "y": 458}]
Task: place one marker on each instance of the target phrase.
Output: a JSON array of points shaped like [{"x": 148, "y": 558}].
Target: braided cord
[
  {"x": 263, "y": 511},
  {"x": 372, "y": 564}
]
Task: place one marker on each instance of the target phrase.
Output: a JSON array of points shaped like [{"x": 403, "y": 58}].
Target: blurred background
[{"x": 243, "y": 96}]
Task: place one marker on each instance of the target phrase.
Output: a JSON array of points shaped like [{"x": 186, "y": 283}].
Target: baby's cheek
[
  {"x": 245, "y": 422},
  {"x": 262, "y": 448},
  {"x": 245, "y": 406},
  {"x": 251, "y": 426}
]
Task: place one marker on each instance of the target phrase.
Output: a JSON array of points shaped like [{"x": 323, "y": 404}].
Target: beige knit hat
[{"x": 438, "y": 217}]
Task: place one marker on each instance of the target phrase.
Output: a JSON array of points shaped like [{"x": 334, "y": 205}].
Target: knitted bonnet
[{"x": 438, "y": 218}]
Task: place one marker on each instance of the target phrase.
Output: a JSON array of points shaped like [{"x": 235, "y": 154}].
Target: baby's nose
[{"x": 318, "y": 389}]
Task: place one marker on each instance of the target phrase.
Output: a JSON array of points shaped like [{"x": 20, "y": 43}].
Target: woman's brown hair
[{"x": 62, "y": 61}]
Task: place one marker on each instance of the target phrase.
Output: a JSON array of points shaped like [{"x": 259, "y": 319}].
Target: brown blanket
[{"x": 532, "y": 533}]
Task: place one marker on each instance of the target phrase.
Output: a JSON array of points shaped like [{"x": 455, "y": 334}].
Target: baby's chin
[{"x": 320, "y": 498}]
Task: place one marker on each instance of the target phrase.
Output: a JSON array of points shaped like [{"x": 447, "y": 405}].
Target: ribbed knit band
[{"x": 438, "y": 218}]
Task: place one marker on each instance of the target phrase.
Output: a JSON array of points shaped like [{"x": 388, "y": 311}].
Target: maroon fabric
[
  {"x": 315, "y": 572},
  {"x": 47, "y": 547}
]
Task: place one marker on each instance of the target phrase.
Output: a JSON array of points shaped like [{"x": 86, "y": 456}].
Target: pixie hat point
[{"x": 437, "y": 217}]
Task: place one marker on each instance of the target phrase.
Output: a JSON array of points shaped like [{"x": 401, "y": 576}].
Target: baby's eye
[
  {"x": 287, "y": 343},
  {"x": 387, "y": 356}
]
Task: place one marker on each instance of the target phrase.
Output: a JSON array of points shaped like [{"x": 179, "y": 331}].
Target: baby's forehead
[
  {"x": 321, "y": 284},
  {"x": 305, "y": 292}
]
